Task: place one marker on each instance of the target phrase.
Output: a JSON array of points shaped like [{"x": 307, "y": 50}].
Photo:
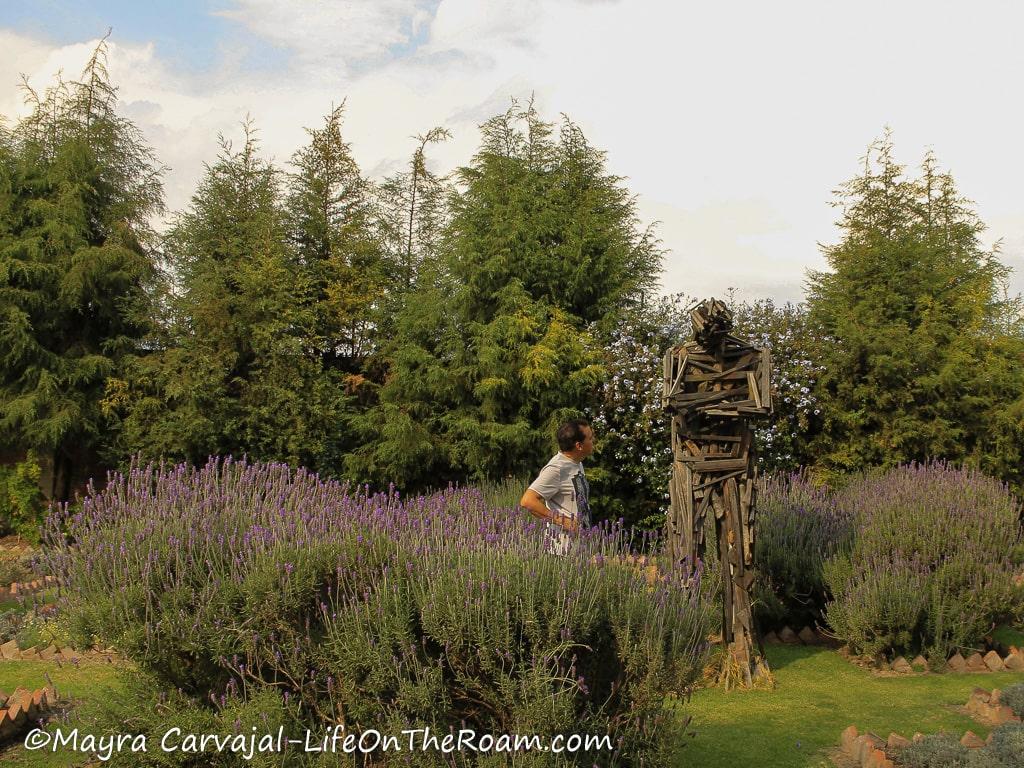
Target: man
[{"x": 561, "y": 493}]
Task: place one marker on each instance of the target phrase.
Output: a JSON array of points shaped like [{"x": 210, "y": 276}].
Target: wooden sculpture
[{"x": 714, "y": 384}]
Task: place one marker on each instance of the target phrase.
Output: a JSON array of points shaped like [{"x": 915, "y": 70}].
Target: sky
[{"x": 731, "y": 123}]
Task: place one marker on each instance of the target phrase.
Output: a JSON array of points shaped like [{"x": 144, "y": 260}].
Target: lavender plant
[
  {"x": 799, "y": 527},
  {"x": 931, "y": 563},
  {"x": 377, "y": 611}
]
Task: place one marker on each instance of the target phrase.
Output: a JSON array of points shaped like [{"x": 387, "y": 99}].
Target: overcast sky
[{"x": 733, "y": 122}]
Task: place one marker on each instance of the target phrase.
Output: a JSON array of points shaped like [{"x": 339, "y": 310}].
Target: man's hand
[
  {"x": 569, "y": 524},
  {"x": 534, "y": 503}
]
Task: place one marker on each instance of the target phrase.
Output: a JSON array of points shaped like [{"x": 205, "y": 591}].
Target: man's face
[{"x": 586, "y": 448}]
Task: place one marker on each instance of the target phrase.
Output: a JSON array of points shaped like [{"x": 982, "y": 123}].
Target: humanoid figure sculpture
[{"x": 713, "y": 386}]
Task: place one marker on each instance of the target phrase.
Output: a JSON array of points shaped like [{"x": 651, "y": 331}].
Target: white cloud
[
  {"x": 732, "y": 123},
  {"x": 332, "y": 34}
]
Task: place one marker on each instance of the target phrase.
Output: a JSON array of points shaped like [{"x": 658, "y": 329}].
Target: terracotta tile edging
[
  {"x": 22, "y": 708},
  {"x": 869, "y": 751}
]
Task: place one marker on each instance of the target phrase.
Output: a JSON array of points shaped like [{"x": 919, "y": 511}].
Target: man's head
[{"x": 576, "y": 439}]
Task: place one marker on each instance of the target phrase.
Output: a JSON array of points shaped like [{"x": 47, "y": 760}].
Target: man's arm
[{"x": 534, "y": 503}]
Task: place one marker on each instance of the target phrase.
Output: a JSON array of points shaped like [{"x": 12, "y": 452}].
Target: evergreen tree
[
  {"x": 918, "y": 323},
  {"x": 413, "y": 213},
  {"x": 76, "y": 268},
  {"x": 244, "y": 370},
  {"x": 331, "y": 223},
  {"x": 500, "y": 341}
]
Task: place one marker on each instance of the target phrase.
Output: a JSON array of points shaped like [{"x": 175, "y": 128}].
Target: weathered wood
[
  {"x": 713, "y": 385},
  {"x": 718, "y": 465},
  {"x": 692, "y": 399}
]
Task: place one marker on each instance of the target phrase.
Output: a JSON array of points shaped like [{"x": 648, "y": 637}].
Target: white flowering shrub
[
  {"x": 632, "y": 462},
  {"x": 783, "y": 441},
  {"x": 633, "y": 457}
]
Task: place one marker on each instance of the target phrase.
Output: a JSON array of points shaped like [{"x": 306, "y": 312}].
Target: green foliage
[
  {"x": 77, "y": 188},
  {"x": 413, "y": 213},
  {"x": 500, "y": 339},
  {"x": 240, "y": 364},
  {"x": 22, "y": 504},
  {"x": 331, "y": 225},
  {"x": 13, "y": 569},
  {"x": 931, "y": 562},
  {"x": 920, "y": 349},
  {"x": 1007, "y": 746}
]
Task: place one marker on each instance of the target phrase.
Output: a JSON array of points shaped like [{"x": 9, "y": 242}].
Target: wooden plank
[
  {"x": 727, "y": 376},
  {"x": 718, "y": 465},
  {"x": 693, "y": 398},
  {"x": 686, "y": 491},
  {"x": 719, "y": 479},
  {"x": 766, "y": 381},
  {"x": 705, "y": 366},
  {"x": 728, "y": 403},
  {"x": 746, "y": 514},
  {"x": 679, "y": 376},
  {"x": 753, "y": 388}
]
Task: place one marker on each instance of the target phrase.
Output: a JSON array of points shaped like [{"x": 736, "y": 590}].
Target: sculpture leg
[
  {"x": 685, "y": 539},
  {"x": 735, "y": 553}
]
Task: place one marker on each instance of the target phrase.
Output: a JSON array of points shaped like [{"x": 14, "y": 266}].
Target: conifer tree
[
  {"x": 918, "y": 325},
  {"x": 331, "y": 223},
  {"x": 413, "y": 212},
  {"x": 501, "y": 340},
  {"x": 244, "y": 370},
  {"x": 77, "y": 269}
]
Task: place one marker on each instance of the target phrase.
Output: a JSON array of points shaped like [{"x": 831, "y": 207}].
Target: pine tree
[
  {"x": 331, "y": 223},
  {"x": 914, "y": 312},
  {"x": 413, "y": 212},
  {"x": 500, "y": 341},
  {"x": 77, "y": 270},
  {"x": 244, "y": 371}
]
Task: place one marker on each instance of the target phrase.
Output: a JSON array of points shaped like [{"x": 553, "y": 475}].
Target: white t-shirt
[{"x": 563, "y": 485}]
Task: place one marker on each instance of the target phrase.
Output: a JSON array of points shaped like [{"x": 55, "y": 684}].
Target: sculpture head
[{"x": 711, "y": 321}]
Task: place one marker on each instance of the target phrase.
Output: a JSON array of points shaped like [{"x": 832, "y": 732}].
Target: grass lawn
[
  {"x": 795, "y": 726},
  {"x": 90, "y": 679},
  {"x": 818, "y": 694}
]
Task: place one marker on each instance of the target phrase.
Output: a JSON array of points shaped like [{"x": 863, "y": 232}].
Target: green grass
[
  {"x": 818, "y": 694},
  {"x": 90, "y": 679}
]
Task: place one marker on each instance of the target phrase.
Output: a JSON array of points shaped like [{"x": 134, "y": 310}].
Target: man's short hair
[{"x": 570, "y": 433}]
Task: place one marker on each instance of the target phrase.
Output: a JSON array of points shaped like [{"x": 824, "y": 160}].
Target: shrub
[
  {"x": 432, "y": 611},
  {"x": 1013, "y": 697},
  {"x": 13, "y": 569},
  {"x": 11, "y": 623},
  {"x": 1006, "y": 750},
  {"x": 1007, "y": 746},
  {"x": 799, "y": 527},
  {"x": 22, "y": 505},
  {"x": 930, "y": 565},
  {"x": 941, "y": 750}
]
